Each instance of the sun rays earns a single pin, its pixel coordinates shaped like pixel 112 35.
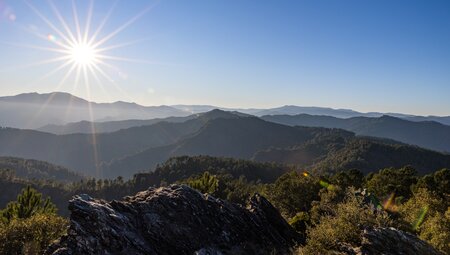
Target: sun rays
pixel 82 52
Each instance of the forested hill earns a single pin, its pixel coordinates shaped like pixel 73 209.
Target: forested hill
pixel 174 170
pixel 215 133
pixel 89 127
pixel 237 138
pixel 306 148
pixel 366 154
pixel 428 134
pixel 36 169
pixel 85 152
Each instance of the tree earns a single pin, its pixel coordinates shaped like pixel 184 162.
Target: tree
pixel 343 225
pixel 437 182
pixel 29 224
pixel 428 215
pixel 31 235
pixel 28 203
pixel 207 183
pixel 392 181
pixel 293 193
pixel 350 178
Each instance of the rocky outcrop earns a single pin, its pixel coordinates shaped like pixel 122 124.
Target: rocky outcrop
pixel 392 241
pixel 389 241
pixel 174 220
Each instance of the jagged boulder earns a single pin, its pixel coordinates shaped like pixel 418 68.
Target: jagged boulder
pixel 388 241
pixel 174 220
pixel 393 241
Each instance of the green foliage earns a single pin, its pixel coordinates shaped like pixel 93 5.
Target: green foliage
pixel 436 231
pixel 31 235
pixel 351 178
pixel 428 215
pixel 326 204
pixel 437 182
pixel 29 224
pixel 28 203
pixel 344 225
pixel 371 154
pixel 183 167
pixel 300 222
pixel 322 209
pixel 35 169
pixel 207 183
pixel 392 181
pixel 293 193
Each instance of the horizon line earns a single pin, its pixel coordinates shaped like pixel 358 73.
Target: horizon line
pixel 232 108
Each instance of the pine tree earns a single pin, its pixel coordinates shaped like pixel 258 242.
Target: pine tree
pixel 207 183
pixel 28 203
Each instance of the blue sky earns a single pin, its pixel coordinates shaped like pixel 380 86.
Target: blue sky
pixel 388 56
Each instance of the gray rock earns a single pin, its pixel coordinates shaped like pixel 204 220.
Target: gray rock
pixel 174 220
pixel 390 241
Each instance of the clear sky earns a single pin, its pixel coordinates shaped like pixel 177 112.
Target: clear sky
pixel 384 55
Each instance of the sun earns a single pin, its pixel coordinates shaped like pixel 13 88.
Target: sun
pixel 81 50
pixel 83 54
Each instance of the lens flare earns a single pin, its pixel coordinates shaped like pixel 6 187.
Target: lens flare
pixel 389 204
pixel 420 217
pixel 51 38
pixel 326 185
pixel 12 17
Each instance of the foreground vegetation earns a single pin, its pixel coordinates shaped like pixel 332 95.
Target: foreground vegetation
pixel 328 209
pixel 30 224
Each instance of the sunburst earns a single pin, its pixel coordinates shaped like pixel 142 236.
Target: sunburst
pixel 82 51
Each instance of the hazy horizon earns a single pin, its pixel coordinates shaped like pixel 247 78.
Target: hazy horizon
pixel 226 107
pixel 381 56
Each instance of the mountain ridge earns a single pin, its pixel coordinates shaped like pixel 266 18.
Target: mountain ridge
pixel 428 134
pixel 34 111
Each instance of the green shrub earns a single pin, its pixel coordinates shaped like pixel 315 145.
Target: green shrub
pixel 343 225
pixel 428 215
pixel 28 203
pixel 207 183
pixel 293 193
pixel 300 222
pixel 392 181
pixel 31 235
pixel 29 224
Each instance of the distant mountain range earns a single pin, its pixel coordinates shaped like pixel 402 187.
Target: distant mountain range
pixel 85 153
pixel 50 112
pixel 35 110
pixel 216 133
pixel 125 147
pixel 427 134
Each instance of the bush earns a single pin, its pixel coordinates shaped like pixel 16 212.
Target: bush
pixel 293 193
pixel 29 225
pixel 437 183
pixel 31 235
pixel 207 183
pixel 28 203
pixel 344 225
pixel 300 222
pixel 427 215
pixel 392 181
